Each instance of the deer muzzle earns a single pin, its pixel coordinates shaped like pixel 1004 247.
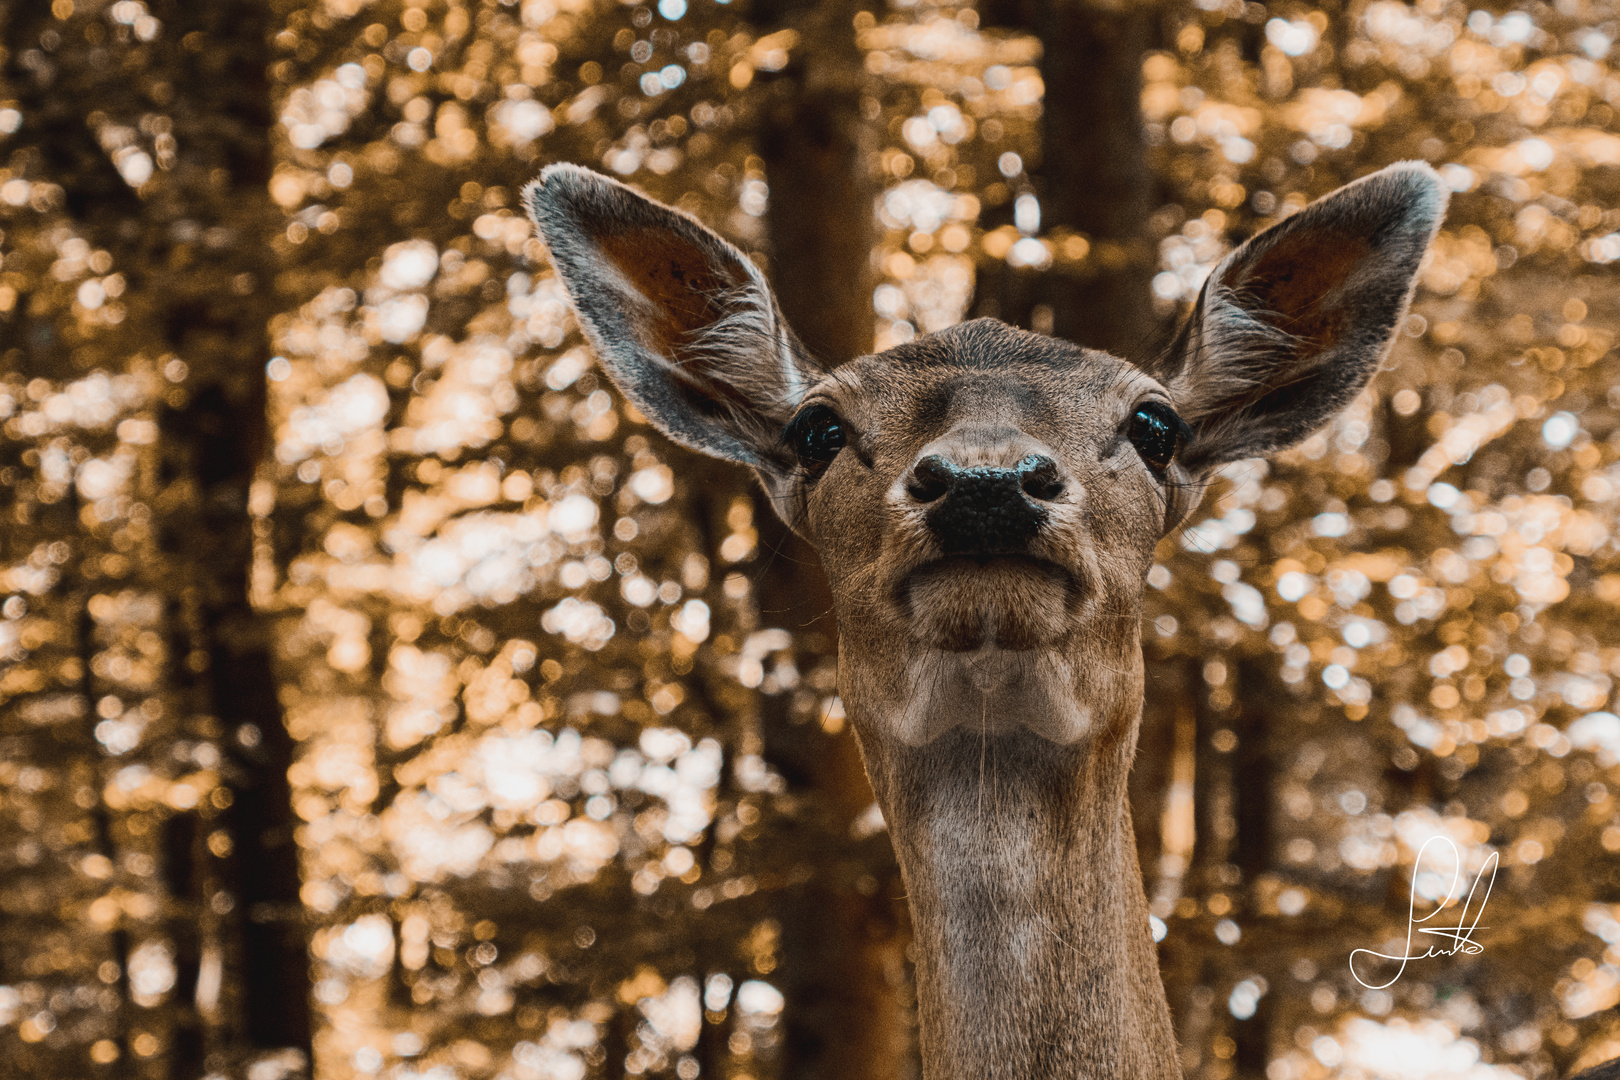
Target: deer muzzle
pixel 984 511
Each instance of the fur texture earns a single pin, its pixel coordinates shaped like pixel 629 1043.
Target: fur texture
pixel 701 348
pixel 997 693
pixel 1033 951
pixel 1291 325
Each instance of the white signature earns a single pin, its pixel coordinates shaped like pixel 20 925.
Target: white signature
pixel 1460 936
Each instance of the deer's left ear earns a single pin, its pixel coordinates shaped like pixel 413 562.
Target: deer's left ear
pixel 1290 326
pixel 682 321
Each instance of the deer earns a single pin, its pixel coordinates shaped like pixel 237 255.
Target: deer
pixel 986 503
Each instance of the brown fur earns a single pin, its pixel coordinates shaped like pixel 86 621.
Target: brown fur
pixel 997 699
pixel 684 290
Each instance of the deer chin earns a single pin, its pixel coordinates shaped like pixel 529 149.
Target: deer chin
pixel 990 650
pixel 991 691
pixel 1014 603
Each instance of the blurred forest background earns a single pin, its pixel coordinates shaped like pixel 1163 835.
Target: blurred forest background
pixel 381 696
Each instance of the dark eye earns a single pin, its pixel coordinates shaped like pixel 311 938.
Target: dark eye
pixel 1156 432
pixel 816 435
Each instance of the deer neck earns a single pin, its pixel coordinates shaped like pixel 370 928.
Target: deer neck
pixel 1034 955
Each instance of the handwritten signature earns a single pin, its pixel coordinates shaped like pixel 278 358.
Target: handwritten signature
pixel 1460 937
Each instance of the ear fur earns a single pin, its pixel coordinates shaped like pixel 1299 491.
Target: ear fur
pixel 682 321
pixel 1291 325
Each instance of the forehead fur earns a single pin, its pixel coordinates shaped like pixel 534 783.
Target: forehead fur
pixel 940 379
pixel 987 344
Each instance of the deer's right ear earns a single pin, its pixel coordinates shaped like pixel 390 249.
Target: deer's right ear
pixel 1292 324
pixel 682 321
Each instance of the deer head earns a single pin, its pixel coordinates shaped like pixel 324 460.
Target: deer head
pixel 986 503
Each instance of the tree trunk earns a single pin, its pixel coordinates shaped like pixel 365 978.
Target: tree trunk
pixel 841 939
pixel 158 135
pixel 818 163
pixel 1092 177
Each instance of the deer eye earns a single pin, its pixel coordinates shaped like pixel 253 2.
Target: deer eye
pixel 1156 432
pixel 816 435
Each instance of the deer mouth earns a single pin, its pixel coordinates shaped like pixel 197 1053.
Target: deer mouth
pixel 961 603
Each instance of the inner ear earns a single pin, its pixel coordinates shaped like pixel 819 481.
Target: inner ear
pixel 693 301
pixel 1299 286
pixel 684 287
pixel 1293 323
pixel 683 322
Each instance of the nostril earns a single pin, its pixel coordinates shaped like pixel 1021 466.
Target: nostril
pixel 931 478
pixel 1039 478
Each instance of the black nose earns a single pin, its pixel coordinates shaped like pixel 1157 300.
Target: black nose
pixel 985 511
